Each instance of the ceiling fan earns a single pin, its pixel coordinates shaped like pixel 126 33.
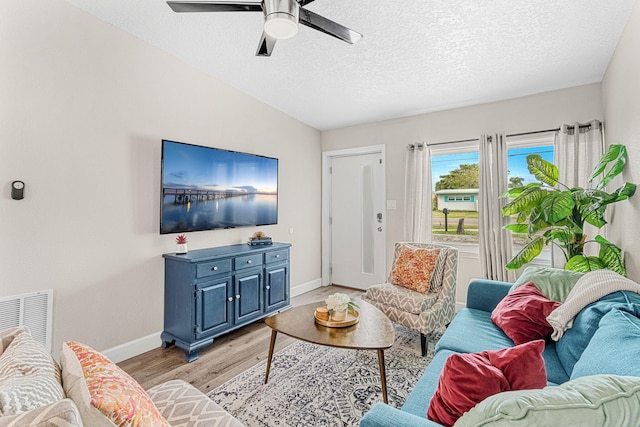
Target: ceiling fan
pixel 281 19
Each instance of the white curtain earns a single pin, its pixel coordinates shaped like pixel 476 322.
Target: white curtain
pixel 417 194
pixel 495 242
pixel 578 148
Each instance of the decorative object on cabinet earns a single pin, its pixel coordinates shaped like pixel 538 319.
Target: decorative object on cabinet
pixel 259 238
pixel 209 292
pixel 181 241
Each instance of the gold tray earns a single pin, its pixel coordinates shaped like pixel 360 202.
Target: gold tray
pixel 352 318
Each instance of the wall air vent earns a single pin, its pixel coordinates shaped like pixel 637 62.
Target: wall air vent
pixel 32 310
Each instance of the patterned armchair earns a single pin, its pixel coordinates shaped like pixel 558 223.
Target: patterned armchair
pixel 423 312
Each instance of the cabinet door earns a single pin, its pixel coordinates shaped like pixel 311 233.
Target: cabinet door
pixel 276 287
pixel 214 305
pixel 248 297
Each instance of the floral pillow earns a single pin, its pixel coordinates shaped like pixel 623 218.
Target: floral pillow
pixel 104 393
pixel 414 267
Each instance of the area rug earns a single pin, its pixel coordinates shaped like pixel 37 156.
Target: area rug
pixel 313 385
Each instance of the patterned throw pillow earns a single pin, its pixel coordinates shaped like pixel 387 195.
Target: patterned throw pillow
pixel 101 389
pixel 29 377
pixel 413 268
pixel 7 335
pixel 438 273
pixel 63 413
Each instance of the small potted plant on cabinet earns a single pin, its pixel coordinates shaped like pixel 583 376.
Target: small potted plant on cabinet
pixel 181 247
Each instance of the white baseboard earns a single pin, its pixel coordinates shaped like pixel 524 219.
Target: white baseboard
pixel 141 345
pixel 305 287
pixel 133 348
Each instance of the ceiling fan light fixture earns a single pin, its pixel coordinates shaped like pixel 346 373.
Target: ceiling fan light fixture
pixel 281 18
pixel 281 25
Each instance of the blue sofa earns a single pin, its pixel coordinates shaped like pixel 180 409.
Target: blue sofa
pixel 472 331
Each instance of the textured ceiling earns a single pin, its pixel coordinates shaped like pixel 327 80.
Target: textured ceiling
pixel 416 56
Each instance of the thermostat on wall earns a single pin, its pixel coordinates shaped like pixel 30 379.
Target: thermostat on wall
pixel 17 190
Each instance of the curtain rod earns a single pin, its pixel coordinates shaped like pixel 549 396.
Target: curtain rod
pixel 581 126
pixel 452 142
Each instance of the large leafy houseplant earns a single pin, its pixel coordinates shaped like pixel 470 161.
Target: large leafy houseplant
pixel 549 212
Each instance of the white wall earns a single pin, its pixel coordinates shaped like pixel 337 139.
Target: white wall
pixel 537 112
pixel 84 108
pixel 621 100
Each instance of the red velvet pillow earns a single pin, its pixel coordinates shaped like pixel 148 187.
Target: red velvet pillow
pixel 522 314
pixel 469 378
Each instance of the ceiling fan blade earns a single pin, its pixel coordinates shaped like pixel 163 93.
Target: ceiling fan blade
pixel 215 6
pixel 328 26
pixel 267 43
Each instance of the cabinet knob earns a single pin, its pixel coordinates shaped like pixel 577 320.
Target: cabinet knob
pixel 268 287
pixel 215 267
pixel 237 296
pixel 277 256
pixel 230 299
pixel 249 261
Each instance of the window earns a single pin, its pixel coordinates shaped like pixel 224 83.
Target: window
pixel 519 149
pixel 455 178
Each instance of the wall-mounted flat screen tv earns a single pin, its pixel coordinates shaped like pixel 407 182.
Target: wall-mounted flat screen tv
pixel 206 188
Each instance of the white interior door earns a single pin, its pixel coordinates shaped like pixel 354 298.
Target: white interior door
pixel 357 220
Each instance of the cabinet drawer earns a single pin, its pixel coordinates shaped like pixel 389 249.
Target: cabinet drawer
pixel 214 267
pixel 248 261
pixel 276 256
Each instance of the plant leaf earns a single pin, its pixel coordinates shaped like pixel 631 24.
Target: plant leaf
pixel 622 193
pixel 564 235
pixel 514 192
pixel 517 228
pixel 594 215
pixel 542 169
pixel 611 255
pixel 529 198
pixel 591 205
pixel 538 225
pixel 557 206
pixel 613 152
pixel 527 254
pixel 584 264
pixel 522 217
pixel 616 154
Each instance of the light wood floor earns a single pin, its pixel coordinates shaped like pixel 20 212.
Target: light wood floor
pixel 228 356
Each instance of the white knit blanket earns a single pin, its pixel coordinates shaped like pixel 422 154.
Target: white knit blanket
pixel 589 288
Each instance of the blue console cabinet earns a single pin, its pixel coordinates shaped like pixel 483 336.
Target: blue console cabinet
pixel 208 292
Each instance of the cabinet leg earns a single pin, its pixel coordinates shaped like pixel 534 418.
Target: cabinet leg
pixel 190 357
pixel 272 344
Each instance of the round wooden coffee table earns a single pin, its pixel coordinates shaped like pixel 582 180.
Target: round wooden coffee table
pixel 374 331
